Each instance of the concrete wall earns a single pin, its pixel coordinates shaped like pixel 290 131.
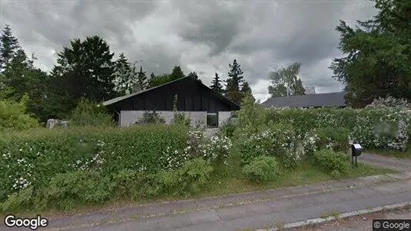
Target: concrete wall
pixel 128 118
pixel 223 116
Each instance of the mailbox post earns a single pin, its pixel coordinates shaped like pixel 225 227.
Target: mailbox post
pixel 356 150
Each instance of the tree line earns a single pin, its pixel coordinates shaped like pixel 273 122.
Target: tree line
pixel 375 60
pixel 86 69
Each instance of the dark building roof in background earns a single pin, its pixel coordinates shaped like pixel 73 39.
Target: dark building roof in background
pixel 335 99
pixel 218 95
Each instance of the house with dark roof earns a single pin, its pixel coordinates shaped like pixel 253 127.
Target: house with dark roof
pixel 335 99
pixel 203 105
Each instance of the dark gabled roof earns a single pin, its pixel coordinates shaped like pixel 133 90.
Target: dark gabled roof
pixel 335 99
pixel 218 95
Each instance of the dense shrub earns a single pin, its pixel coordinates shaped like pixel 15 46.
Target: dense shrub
pixel 228 128
pixel 278 140
pixel 262 168
pixel 274 140
pixel 390 103
pixel 13 116
pixel 336 139
pixel 364 124
pixel 66 190
pixel 336 163
pixel 89 113
pixel 217 149
pixel 182 181
pixel 214 149
pixel 32 158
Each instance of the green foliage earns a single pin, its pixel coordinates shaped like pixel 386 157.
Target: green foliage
pixel 228 128
pixel 234 83
pixel 84 69
pixel 262 168
pixel 333 138
pixel 188 179
pixel 195 174
pixel 176 73
pixel 252 116
pixel 142 78
pixel 390 103
pixel 19 200
pixel 273 141
pixel 216 84
pixel 247 92
pixel 32 158
pixel 151 118
pixel 8 48
pixel 336 163
pixel 13 116
pixel 67 190
pixel 285 81
pixel 160 80
pixel 193 75
pixel 376 54
pixel 88 113
pixel 125 75
pixel 366 126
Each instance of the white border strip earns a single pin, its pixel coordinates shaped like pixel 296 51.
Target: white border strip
pixel 318 221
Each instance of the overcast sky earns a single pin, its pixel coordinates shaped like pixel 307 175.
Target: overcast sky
pixel 199 35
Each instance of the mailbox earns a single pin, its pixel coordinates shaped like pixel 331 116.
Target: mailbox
pixel 356 149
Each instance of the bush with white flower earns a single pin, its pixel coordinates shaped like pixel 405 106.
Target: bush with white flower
pixel 217 149
pixel 372 127
pixel 173 158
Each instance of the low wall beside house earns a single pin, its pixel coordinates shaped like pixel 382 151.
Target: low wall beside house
pixel 223 116
pixel 128 118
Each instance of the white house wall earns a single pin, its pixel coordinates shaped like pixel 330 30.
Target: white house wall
pixel 223 117
pixel 128 118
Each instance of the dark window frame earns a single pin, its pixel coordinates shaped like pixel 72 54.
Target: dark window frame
pixel 210 123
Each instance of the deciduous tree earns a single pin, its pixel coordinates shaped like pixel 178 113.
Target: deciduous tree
pixel 285 81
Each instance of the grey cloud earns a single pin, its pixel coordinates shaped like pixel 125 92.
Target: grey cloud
pixel 57 22
pixel 163 34
pixel 214 23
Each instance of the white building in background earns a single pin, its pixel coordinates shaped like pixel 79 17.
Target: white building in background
pixel 310 90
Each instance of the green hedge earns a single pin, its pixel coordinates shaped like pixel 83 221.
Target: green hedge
pixel 373 128
pixel 34 157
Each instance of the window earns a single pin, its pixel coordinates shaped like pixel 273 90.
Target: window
pixel 212 120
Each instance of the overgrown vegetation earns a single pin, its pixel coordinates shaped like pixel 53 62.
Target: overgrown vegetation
pixel 89 113
pixel 13 116
pixel 86 165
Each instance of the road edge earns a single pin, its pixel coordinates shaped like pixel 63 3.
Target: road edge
pixel 320 221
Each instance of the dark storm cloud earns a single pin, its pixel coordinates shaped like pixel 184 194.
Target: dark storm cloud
pixel 203 36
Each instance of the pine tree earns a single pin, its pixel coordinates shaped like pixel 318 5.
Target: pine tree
pixel 142 78
pixel 177 73
pixel 246 89
pixel 234 82
pixel 216 84
pixel 125 76
pixel 193 74
pixel 8 49
pixel 85 69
